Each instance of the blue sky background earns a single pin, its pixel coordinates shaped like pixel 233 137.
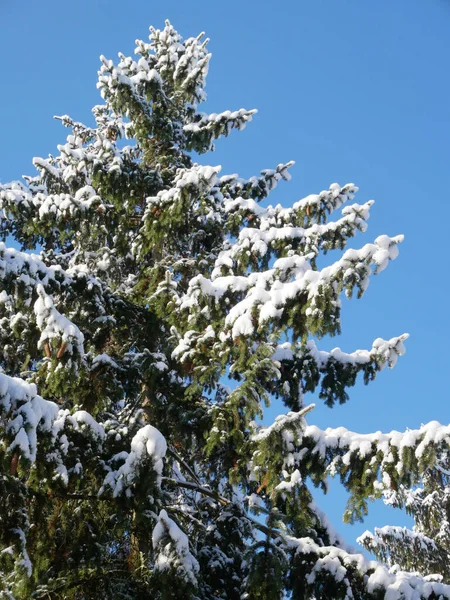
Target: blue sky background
pixel 352 91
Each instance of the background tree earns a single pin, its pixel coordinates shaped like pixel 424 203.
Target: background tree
pixel 425 547
pixel 166 307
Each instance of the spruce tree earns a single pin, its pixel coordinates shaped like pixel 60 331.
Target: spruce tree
pixel 425 547
pixel 156 306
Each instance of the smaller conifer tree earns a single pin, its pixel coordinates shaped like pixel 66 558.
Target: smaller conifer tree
pixel 426 547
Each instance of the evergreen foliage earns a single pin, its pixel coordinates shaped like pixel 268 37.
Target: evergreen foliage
pixel 425 547
pixel 164 307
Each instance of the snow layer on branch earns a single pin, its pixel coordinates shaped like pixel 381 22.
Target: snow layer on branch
pixel 28 274
pixel 128 72
pixel 55 325
pixel 269 291
pixel 228 119
pixel 44 164
pixel 383 351
pixel 22 413
pixel 313 208
pixel 330 199
pixel 29 268
pixel 82 420
pixel 31 271
pixel 344 446
pixel 196 181
pixel 288 484
pixel 281 423
pixel 392 533
pixel 279 216
pixel 147 443
pixel 52 206
pixel 172 548
pixel 258 240
pixel 243 191
pixel 394 585
pixel 186 63
pixel 61 205
pixel 360 444
pixel 166 58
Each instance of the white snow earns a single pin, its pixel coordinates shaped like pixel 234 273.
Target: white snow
pixel 23 412
pixel 148 442
pixel 55 325
pixel 171 545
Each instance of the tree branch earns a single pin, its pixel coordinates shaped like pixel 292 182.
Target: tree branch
pixel 197 488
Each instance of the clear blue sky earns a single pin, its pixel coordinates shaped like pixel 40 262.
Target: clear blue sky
pixel 351 90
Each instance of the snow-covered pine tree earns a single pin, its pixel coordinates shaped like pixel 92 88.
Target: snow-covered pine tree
pixel 159 281
pixel 425 547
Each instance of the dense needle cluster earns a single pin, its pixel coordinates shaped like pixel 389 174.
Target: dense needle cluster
pixel 165 306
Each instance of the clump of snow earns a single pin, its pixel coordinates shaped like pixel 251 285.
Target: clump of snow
pixel 288 485
pixel 22 413
pixel 55 325
pixel 148 442
pixel 171 545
